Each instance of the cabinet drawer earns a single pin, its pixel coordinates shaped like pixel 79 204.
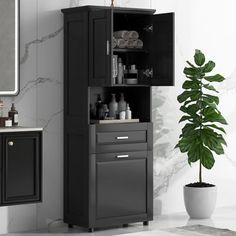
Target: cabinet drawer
pixel 121 137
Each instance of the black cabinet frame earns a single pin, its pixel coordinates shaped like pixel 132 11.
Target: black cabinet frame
pixel 88 153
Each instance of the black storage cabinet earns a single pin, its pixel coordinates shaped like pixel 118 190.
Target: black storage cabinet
pixel 21 168
pixel 108 168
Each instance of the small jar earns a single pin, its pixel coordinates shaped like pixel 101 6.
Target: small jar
pixel 122 115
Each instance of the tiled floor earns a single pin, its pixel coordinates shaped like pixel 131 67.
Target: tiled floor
pixel 222 218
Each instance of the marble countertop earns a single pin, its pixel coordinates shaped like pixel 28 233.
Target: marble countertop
pixel 19 129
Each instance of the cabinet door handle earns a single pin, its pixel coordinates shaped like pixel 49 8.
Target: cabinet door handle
pixel 122 137
pixel 108 48
pixel 11 143
pixel 122 156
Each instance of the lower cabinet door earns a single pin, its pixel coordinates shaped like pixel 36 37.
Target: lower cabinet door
pixel 121 184
pixel 21 168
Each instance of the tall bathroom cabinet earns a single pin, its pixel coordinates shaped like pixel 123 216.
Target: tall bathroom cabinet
pixel 108 168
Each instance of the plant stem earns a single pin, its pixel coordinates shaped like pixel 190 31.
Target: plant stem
pixel 200 172
pixel 200 164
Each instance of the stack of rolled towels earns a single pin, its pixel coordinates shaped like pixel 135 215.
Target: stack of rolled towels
pixel 127 39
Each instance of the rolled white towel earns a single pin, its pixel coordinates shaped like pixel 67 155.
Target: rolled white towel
pixel 121 43
pixel 130 43
pixel 138 43
pixel 121 34
pixel 133 34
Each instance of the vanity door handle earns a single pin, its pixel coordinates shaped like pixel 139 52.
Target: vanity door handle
pixel 108 47
pixel 10 143
pixel 122 156
pixel 122 137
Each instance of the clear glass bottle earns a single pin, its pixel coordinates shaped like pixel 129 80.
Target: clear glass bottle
pixel 122 103
pixel 113 106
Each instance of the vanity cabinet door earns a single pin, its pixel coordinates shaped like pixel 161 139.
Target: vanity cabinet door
pixel 100 48
pixel 162 50
pixel 21 168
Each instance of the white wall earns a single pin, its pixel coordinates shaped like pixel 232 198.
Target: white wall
pixel 207 25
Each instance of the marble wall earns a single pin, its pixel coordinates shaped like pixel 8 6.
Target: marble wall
pixel 207 25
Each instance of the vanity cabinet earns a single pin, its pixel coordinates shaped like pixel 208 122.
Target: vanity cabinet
pixel 21 166
pixel 108 168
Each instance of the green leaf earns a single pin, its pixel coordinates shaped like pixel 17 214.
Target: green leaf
pixel 216 117
pixel 191 109
pixel 210 99
pixel 189 129
pixel 217 127
pixel 214 78
pixel 183 118
pixel 190 71
pixel 199 57
pixel 194 153
pixel 185 95
pixel 212 140
pixel 209 87
pixel 207 158
pixel 193 84
pixel 209 66
pixel 184 145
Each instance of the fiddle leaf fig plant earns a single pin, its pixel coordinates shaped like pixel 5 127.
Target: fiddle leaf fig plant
pixel 202 134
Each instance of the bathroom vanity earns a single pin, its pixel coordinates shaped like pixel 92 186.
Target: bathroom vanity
pixel 21 165
pixel 108 168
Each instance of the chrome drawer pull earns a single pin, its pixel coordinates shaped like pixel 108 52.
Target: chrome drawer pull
pixel 122 137
pixel 122 156
pixel 10 143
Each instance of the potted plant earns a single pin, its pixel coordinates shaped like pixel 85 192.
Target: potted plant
pixel 202 134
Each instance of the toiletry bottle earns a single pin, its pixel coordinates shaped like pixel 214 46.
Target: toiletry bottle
pixel 105 111
pixel 122 103
pixel 120 72
pixel 98 105
pixel 113 107
pixel 13 114
pixel 1 108
pixel 128 114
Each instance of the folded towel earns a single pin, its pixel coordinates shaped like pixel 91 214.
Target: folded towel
pixel 121 34
pixel 121 43
pixel 133 34
pixel 114 42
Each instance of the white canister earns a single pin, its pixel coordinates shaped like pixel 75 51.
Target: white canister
pixel 8 123
pixel 122 115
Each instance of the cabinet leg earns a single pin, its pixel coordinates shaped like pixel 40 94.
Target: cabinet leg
pixel 145 222
pixel 70 226
pixel 90 230
pixel 125 225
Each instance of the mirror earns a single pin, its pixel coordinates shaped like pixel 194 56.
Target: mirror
pixel 9 47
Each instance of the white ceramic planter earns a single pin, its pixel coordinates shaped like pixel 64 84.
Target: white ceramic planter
pixel 200 202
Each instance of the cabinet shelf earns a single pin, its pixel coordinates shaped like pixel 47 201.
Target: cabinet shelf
pixel 126 50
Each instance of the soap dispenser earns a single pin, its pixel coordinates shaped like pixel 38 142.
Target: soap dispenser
pixel 13 114
pixel 128 113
